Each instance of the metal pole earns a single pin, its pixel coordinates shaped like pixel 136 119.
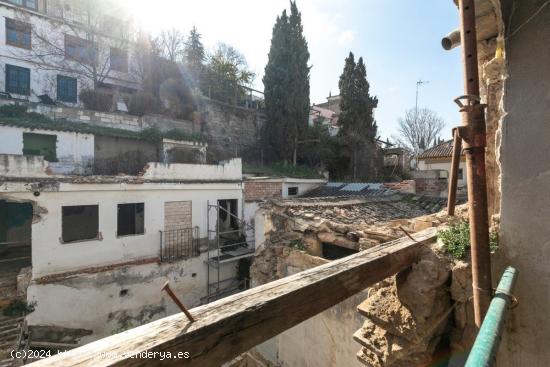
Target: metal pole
pixel 472 133
pixel 485 347
pixel 453 180
pixel 207 251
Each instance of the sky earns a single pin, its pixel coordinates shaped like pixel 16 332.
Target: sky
pixel 399 40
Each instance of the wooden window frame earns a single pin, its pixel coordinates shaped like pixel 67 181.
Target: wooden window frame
pixel 122 55
pixel 20 28
pixel 82 45
pixel 24 4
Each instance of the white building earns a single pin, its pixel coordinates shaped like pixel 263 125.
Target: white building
pixel 439 159
pixel 57 48
pixel 100 248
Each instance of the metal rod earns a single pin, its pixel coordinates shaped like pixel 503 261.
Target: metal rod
pixel 166 288
pixel 208 250
pixel 486 345
pixel 473 136
pixel 453 180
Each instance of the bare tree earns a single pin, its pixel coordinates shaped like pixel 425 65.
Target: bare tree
pixel 172 44
pixel 80 37
pixel 419 129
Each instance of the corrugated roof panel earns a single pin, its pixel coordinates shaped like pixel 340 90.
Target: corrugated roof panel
pixel 354 187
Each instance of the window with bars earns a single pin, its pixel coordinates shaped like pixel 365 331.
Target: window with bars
pixel 18 80
pixel 66 89
pixel 119 60
pixel 18 33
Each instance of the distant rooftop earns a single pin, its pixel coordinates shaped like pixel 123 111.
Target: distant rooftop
pixel 443 150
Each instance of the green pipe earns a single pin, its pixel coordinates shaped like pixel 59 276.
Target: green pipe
pixel 485 347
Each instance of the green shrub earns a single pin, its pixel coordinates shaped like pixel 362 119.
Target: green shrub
pixel 18 307
pixel 97 100
pixel 13 110
pixel 456 240
pixel 142 103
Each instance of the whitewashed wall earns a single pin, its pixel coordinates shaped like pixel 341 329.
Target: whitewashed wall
pixel 50 255
pixel 304 185
pixel 111 301
pixel 424 165
pixel 74 151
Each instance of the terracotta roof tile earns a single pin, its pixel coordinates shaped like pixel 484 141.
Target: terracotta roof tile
pixel 442 150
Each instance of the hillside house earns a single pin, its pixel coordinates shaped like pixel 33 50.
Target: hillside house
pixel 54 49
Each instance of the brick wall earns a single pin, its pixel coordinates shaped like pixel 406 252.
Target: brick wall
pixel 254 190
pixel 177 215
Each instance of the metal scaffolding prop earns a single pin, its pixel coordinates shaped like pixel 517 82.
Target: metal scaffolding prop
pixel 225 247
pixel 473 135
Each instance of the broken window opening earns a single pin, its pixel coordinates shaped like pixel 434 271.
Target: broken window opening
pixel 15 241
pixel 228 222
pixel 40 144
pixel 334 252
pixel 130 219
pixel 80 223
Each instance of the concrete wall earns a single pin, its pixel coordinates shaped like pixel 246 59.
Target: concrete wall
pixel 230 170
pixel 22 165
pixel 50 255
pixel 303 185
pixel 325 340
pixel 445 165
pixel 525 203
pixel 74 151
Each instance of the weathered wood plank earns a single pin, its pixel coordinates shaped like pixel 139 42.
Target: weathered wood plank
pixel 233 325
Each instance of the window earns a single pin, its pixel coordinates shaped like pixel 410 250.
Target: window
pixel 292 191
pixel 40 144
pixel 18 80
pixel 460 173
pixel 119 60
pixel 79 49
pixel 31 4
pixel 66 89
pixel 18 33
pixel 130 219
pixel 79 222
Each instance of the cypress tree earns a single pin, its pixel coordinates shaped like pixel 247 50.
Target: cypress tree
pixel 286 86
pixel 194 55
pixel 356 120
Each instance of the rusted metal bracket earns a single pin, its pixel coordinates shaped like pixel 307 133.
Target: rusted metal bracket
pixel 167 289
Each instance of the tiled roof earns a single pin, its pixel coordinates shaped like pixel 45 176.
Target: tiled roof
pixel 442 150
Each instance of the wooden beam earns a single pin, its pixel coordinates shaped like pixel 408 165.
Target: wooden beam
pixel 230 326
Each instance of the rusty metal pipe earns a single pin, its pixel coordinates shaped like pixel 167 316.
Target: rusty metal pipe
pixel 473 136
pixel 453 180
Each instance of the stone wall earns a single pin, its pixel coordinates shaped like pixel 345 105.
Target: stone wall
pixel 231 131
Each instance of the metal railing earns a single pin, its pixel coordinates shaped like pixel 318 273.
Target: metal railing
pixel 178 244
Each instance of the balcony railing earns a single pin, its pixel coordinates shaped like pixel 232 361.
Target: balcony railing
pixel 178 244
